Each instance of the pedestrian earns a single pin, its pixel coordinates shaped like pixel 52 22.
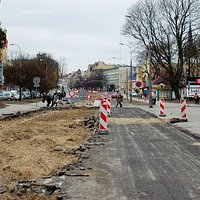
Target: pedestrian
pixel 145 96
pixel 154 98
pixel 44 97
pixel 196 98
pixel 54 100
pixel 119 99
pixel 49 98
pixel 59 94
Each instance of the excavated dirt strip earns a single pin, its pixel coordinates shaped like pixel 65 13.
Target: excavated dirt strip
pixel 35 145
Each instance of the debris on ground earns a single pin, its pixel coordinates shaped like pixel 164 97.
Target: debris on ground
pixel 46 143
pixel 175 120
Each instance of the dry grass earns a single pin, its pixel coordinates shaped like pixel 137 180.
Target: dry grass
pixel 29 145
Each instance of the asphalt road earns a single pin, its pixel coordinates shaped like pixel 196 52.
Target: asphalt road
pixel 142 158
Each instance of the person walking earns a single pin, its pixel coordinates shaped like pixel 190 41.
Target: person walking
pixel 196 98
pixel 54 100
pixel 44 97
pixel 48 99
pixel 119 99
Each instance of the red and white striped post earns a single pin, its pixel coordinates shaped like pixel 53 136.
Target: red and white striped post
pixel 89 98
pixel 103 128
pixel 183 110
pixel 162 108
pixel 108 106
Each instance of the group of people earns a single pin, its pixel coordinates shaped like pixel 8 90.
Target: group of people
pixel 51 98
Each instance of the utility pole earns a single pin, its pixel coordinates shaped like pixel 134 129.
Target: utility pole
pixel 131 77
pixel 149 77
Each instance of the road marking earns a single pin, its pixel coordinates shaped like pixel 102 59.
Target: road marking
pixel 125 121
pixel 152 145
pixel 151 174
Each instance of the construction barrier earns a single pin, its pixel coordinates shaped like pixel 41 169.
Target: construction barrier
pixel 108 106
pixel 103 128
pixel 71 93
pixel 183 110
pixel 74 93
pixel 89 98
pixel 162 108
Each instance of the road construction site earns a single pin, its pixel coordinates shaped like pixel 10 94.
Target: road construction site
pixel 56 153
pixel 40 143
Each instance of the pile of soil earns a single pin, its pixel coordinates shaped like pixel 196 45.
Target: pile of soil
pixel 33 146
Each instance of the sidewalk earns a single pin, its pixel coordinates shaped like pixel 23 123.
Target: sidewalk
pixel 172 110
pixel 15 108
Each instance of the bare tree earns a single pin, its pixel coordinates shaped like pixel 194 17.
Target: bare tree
pixel 164 24
pixel 62 67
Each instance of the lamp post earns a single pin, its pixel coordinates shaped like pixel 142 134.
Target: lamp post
pixel 131 70
pixel 20 67
pixel 42 60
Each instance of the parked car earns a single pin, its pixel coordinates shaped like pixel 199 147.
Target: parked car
pixel 26 95
pixel 16 94
pixel 134 94
pixel 68 101
pixel 7 95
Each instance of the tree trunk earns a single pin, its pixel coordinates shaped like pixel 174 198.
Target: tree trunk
pixel 175 88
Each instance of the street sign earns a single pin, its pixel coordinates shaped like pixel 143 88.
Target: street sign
pixel 197 81
pixel 193 86
pixel 71 93
pixel 138 84
pixel 36 80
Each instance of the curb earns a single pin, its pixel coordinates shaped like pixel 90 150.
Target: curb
pixel 167 121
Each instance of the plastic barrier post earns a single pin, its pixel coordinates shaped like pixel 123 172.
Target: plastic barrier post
pixel 162 108
pixel 89 98
pixel 108 106
pixel 103 128
pixel 183 110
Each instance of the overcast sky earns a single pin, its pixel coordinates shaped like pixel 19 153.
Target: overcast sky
pixel 81 31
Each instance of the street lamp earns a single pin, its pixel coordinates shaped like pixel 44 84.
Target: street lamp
pixel 42 60
pixel 131 69
pixel 20 67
